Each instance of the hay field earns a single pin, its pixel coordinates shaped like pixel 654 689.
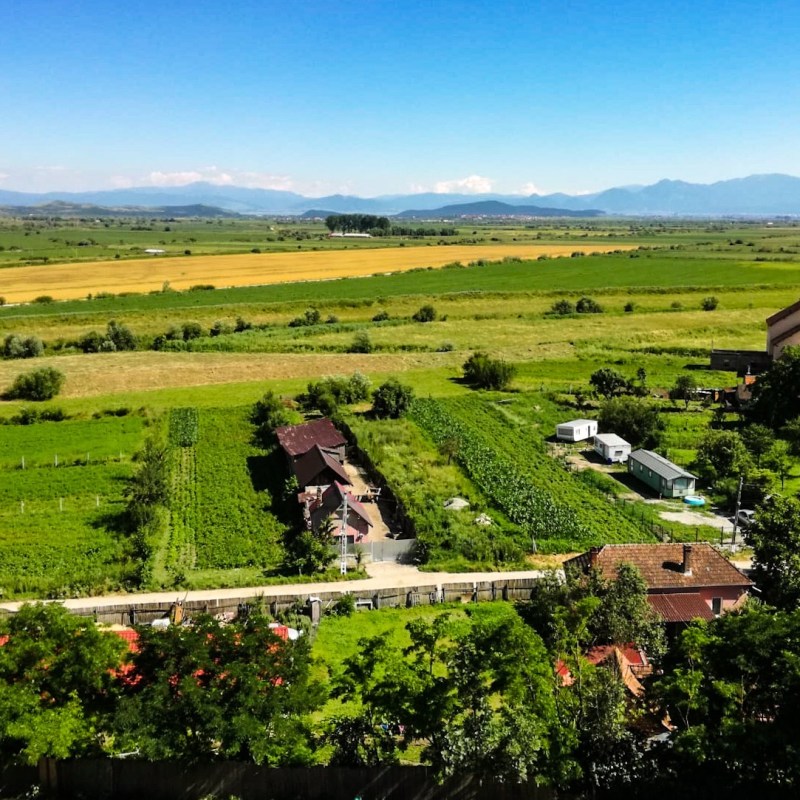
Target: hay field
pixel 74 281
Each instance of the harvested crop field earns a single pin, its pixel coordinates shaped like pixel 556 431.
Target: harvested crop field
pixel 123 373
pixel 73 281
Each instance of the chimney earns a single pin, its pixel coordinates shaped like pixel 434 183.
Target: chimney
pixel 594 552
pixel 688 559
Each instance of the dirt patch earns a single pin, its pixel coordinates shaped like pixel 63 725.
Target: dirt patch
pixel 694 518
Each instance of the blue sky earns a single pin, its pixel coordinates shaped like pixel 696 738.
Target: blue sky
pixel 376 97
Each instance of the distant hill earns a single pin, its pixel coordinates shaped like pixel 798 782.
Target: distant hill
pixel 315 213
pixel 755 195
pixel 493 208
pixel 63 209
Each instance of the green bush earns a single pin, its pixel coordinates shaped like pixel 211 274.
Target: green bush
pixel 487 373
pixel 41 384
pixel 562 308
pixel 18 347
pixel 586 305
pixel 391 399
pixel 425 314
pixel 709 303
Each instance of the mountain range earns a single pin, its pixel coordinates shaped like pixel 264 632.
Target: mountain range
pixel 756 195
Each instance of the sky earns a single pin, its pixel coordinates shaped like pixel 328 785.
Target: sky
pixel 374 97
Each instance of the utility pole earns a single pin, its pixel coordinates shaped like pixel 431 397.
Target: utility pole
pixel 736 513
pixel 343 537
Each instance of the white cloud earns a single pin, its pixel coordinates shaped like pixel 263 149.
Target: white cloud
pixel 529 189
pixel 218 177
pixel 473 184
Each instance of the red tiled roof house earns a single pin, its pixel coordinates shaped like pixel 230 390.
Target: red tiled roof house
pixel 297 440
pixel 684 581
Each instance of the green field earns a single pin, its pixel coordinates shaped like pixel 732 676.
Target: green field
pixel 227 519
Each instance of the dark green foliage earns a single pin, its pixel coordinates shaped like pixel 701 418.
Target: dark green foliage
pixel 722 454
pixel 345 606
pixel 41 384
pixel 587 305
pixel 774 536
pixel 758 439
pixel 311 316
pixel 16 346
pixel 121 335
pixel 391 399
pixel 361 343
pixel 562 307
pixel 308 552
pixel 56 684
pixel 487 373
pixel 634 419
pixel 381 316
pixel 608 382
pixel 183 427
pixel 329 393
pixel 214 691
pixel 732 689
pixel 477 695
pixel 92 342
pixel 709 303
pixel 684 389
pixel 357 223
pixel 426 313
pixel 269 413
pixel 776 392
pixel 220 328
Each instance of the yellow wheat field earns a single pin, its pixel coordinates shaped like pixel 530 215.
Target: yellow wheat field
pixel 74 281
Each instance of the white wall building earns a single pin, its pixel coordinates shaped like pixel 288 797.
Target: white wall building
pixel 577 430
pixel 611 448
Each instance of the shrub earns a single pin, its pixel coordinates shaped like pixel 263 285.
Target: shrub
pixel 345 606
pixel 632 418
pixel 43 298
pixel 381 316
pixel 676 305
pixel 242 325
pixel 18 347
pixel 329 393
pixel 200 287
pixel 562 308
pixel 220 328
pixel 487 373
pixel 41 384
pixel 586 305
pixel 311 316
pixel 425 314
pixel 709 303
pixel 391 399
pixel 629 306
pixel 191 330
pixel 361 343
pixel 2 301
pixel 91 342
pixel 445 347
pixel 121 335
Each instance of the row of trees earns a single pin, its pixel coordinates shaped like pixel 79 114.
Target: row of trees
pixel 357 223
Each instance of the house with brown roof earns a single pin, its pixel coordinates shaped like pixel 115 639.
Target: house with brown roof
pixel 330 503
pixel 318 468
pixel 297 440
pixel 684 581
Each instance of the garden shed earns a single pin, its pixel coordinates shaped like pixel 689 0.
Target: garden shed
pixel 611 448
pixel 577 430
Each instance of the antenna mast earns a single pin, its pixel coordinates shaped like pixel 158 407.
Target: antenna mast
pixel 343 537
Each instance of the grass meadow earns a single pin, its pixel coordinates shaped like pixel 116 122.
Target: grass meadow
pixel 226 528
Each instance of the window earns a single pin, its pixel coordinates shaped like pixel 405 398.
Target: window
pixel 716 605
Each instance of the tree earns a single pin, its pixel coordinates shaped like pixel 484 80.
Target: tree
pixel 391 399
pixel 779 460
pixel 16 346
pixel 488 373
pixel 758 439
pixel 426 313
pixel 587 305
pixel 776 394
pixel 212 690
pixel 40 384
pixel 310 551
pixel 562 307
pixel 633 418
pixel 57 683
pixel 774 536
pixel 722 454
pixel 709 303
pixel 791 432
pixel 361 343
pixel 731 689
pixel 268 413
pixel 684 389
pixel 121 335
pixel 608 382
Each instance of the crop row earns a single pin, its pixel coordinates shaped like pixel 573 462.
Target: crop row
pixel 515 472
pixel 183 427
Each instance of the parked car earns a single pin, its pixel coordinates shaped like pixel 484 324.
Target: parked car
pixel 745 517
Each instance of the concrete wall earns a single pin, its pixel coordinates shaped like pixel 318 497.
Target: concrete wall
pixel 110 779
pixel 132 612
pixel 740 361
